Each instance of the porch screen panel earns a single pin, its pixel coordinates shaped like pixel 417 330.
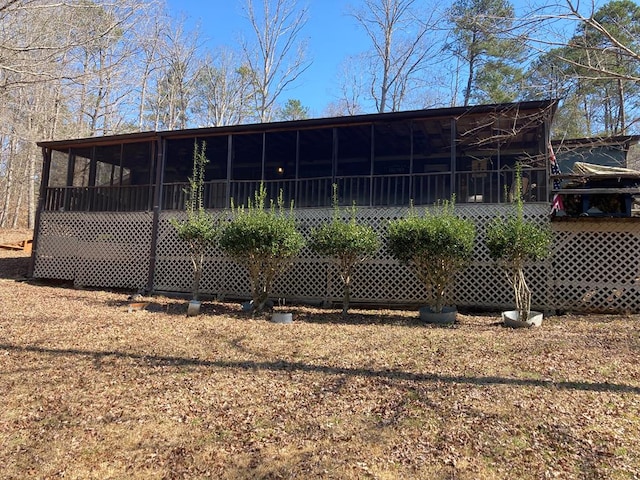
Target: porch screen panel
pixel 177 170
pixel 106 191
pixel 137 177
pixel 78 198
pixel 392 163
pixel 81 166
pixel 59 169
pixel 179 167
pixel 246 166
pixel 478 177
pixel 353 171
pixel 280 164
pixel 315 168
pixel 215 175
pixel 431 161
pixel 57 187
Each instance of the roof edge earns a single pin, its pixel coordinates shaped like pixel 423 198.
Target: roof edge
pixel 453 112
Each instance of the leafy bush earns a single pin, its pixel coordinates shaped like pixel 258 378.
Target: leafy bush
pixel 348 243
pixel 199 229
pixel 263 240
pixel 435 246
pixel 513 242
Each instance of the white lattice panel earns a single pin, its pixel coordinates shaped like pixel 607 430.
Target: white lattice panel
pixel 381 280
pixel 594 264
pixel 57 245
pixel 95 249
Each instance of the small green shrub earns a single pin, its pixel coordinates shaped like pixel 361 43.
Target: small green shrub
pixel 513 242
pixel 347 242
pixel 435 246
pixel 262 239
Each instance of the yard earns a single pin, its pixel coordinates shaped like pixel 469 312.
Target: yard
pixel 91 390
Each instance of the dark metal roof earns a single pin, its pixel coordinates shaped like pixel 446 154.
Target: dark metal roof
pixel 453 112
pixel 104 140
pixel 626 140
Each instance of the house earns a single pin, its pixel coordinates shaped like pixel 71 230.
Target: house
pixel 106 202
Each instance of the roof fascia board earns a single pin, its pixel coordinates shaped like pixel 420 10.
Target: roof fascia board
pixel 452 112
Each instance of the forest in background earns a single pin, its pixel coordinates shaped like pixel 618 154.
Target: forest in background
pixel 84 68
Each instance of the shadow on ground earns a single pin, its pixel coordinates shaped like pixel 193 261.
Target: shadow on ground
pixel 14 267
pixel 154 361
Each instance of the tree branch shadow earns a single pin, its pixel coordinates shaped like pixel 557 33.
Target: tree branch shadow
pixel 155 361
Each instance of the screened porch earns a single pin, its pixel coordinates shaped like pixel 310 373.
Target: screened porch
pixel 376 160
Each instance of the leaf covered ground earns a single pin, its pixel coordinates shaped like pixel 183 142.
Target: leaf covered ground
pixel 91 390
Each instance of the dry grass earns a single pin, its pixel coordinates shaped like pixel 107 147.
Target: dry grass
pixel 90 390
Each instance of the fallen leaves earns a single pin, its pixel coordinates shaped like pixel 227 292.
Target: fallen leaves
pixel 93 391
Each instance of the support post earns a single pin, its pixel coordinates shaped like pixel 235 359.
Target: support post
pixel 159 148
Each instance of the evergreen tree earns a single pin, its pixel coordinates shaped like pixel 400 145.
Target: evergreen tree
pixel 483 37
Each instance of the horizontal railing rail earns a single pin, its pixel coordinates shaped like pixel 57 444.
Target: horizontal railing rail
pixel 486 186
pixel 120 198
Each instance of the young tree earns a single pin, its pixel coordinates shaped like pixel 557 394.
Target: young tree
pixel 436 247
pixel 515 241
pixel 347 243
pixel 198 230
pixel 277 58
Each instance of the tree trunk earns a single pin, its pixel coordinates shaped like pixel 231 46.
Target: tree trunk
pixel 8 186
pixel 31 189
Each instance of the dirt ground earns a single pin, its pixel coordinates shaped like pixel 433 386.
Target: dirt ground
pixel 91 389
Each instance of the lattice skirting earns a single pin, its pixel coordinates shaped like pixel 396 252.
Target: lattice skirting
pixel 596 266
pixel 95 249
pixel 593 266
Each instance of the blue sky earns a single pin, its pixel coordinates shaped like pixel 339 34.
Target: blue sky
pixel 331 34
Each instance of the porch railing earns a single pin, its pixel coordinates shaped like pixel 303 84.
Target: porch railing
pixel 122 198
pixel 423 189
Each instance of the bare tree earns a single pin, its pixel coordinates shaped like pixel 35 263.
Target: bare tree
pixel 64 69
pixel 351 88
pixel 277 57
pixel 174 81
pixel 597 62
pixel 399 34
pixel 223 90
pixel 149 56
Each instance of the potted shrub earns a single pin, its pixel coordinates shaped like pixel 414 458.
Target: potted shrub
pixel 262 239
pixel 198 230
pixel 347 243
pixel 435 246
pixel 513 242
